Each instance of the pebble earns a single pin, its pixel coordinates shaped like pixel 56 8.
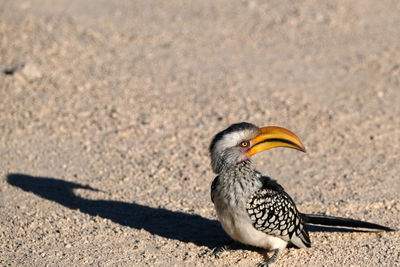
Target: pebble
pixel 31 72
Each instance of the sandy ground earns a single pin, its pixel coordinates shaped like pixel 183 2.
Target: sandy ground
pixel 107 109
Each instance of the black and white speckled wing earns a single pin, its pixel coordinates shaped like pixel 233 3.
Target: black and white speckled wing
pixel 274 212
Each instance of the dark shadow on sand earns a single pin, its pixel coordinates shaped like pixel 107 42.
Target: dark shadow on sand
pixel 162 222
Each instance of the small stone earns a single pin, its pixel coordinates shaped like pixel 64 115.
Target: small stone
pixel 31 72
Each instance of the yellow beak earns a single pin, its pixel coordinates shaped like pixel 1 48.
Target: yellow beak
pixel 271 136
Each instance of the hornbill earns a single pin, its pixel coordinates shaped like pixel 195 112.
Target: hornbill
pixel 253 208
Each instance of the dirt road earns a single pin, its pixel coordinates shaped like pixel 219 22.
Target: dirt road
pixel 107 109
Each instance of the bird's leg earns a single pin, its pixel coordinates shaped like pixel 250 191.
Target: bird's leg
pixel 220 250
pixel 271 260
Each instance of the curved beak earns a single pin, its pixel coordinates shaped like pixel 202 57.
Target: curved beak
pixel 271 136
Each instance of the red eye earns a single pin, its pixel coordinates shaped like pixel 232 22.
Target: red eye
pixel 244 143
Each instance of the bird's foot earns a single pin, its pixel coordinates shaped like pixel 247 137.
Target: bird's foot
pixel 217 252
pixel 271 260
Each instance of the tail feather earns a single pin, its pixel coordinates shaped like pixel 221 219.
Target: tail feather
pixel 343 222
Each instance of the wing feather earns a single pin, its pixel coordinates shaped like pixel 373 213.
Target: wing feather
pixel 273 212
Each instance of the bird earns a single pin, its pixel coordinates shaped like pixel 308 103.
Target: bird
pixel 253 208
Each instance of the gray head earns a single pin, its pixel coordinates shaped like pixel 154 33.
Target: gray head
pixel 242 140
pixel 229 146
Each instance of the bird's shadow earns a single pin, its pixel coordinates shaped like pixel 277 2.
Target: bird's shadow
pixel 189 228
pixel 159 221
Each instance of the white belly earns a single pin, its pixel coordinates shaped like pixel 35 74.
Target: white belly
pixel 237 224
